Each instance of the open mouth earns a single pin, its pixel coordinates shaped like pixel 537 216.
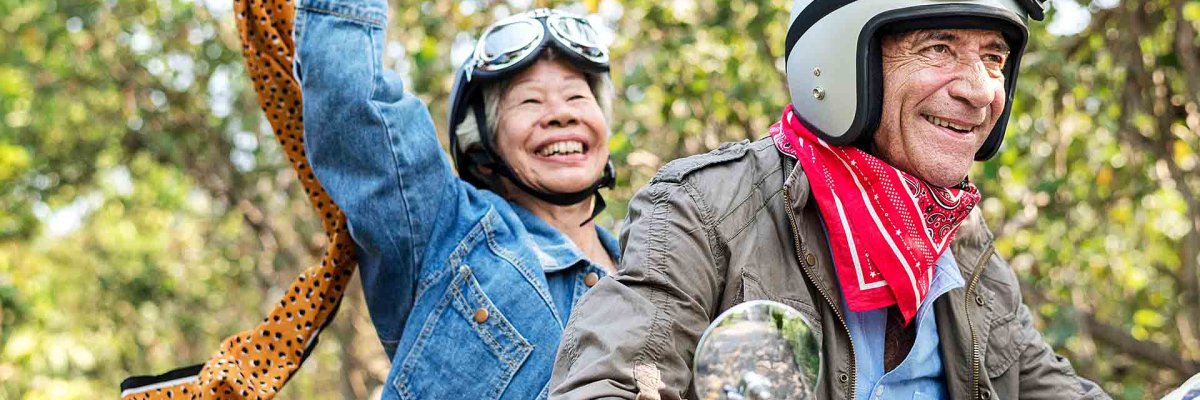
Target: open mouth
pixel 949 125
pixel 563 148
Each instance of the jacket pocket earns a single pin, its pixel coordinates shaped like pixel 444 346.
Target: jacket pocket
pixel 753 289
pixel 1004 345
pixel 467 349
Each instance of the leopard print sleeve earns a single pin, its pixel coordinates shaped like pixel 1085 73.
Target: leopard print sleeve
pixel 255 363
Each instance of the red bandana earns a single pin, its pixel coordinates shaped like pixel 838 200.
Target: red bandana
pixel 886 228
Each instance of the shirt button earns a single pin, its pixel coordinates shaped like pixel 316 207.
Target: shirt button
pixel 879 391
pixel 481 315
pixel 591 278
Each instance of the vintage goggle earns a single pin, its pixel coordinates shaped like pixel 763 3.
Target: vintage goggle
pixel 514 40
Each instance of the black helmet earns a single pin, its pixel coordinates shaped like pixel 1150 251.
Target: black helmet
pixel 837 85
pixel 504 49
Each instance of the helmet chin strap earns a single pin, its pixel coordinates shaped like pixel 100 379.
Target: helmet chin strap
pixel 564 199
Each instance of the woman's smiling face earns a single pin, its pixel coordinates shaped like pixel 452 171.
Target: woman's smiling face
pixel 550 128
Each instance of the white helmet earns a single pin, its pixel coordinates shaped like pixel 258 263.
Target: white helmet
pixel 836 77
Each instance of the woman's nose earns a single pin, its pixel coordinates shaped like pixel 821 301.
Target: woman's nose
pixel 561 114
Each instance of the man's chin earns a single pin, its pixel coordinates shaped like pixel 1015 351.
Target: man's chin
pixel 945 177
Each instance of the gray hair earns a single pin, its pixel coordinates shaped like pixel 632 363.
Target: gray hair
pixel 468 131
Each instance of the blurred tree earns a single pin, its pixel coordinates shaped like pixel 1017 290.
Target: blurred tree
pixel 145 213
pixel 1094 198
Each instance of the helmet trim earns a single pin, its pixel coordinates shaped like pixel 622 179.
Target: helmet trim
pixel 807 18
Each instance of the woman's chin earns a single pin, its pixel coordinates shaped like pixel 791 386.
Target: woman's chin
pixel 567 180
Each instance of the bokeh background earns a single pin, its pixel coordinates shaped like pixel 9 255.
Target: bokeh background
pixel 146 211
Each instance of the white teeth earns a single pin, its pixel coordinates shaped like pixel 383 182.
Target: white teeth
pixel 565 147
pixel 947 124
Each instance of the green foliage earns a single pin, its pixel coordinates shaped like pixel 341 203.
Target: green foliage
pixel 146 213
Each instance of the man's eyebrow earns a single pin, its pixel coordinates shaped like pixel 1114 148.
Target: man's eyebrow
pixel 938 35
pixel 998 45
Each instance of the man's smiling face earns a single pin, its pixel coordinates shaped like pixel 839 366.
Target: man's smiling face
pixel 943 91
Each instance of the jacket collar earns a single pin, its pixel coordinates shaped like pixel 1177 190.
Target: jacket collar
pixel 972 242
pixel 554 249
pixel 796 184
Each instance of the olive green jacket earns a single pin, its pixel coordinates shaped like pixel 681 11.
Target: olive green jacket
pixel 737 224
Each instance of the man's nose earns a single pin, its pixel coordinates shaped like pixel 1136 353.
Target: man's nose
pixel 973 84
pixel 560 114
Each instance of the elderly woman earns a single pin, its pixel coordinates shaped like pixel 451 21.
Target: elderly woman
pixel 469 279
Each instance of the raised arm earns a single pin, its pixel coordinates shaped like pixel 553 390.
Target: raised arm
pixel 373 147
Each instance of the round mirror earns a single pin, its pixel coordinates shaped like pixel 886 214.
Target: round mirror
pixel 1188 391
pixel 757 350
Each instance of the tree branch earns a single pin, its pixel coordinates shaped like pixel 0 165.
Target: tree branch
pixel 1120 340
pixel 1153 353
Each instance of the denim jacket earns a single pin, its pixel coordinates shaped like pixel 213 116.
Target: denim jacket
pixel 469 293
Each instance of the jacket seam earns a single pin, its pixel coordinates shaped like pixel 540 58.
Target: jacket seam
pixel 709 225
pixel 756 187
pixel 411 249
pixel 754 216
pixel 465 244
pixel 657 337
pixel 368 20
pixel 419 345
pixel 524 270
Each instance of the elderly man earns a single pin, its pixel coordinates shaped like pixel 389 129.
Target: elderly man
pixel 850 213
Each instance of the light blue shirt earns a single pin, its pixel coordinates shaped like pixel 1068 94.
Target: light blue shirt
pixel 920 375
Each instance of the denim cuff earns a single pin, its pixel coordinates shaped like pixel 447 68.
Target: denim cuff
pixel 373 12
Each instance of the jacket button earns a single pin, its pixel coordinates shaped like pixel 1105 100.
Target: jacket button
pixel 591 278
pixel 843 378
pixel 464 270
pixel 810 259
pixel 985 395
pixel 481 315
pixel 979 299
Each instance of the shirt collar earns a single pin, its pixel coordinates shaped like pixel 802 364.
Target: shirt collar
pixel 946 276
pixel 554 249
